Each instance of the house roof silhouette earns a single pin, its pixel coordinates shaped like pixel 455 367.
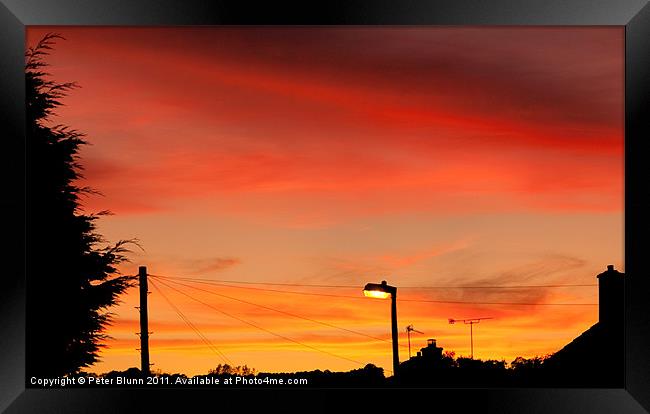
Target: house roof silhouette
pixel 596 355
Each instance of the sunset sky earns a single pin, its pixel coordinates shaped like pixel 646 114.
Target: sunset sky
pixel 453 156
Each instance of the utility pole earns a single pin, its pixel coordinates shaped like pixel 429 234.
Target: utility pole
pixel 144 322
pixel 471 323
pixel 410 329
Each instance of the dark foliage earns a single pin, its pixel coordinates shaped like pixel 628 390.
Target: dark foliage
pixel 593 366
pixel 227 369
pixel 71 275
pixel 368 376
pixel 444 370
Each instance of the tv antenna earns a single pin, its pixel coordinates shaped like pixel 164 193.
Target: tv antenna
pixel 471 323
pixel 410 329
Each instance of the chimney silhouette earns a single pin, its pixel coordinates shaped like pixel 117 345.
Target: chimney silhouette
pixel 611 297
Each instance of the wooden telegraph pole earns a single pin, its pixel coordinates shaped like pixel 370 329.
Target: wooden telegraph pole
pixel 144 322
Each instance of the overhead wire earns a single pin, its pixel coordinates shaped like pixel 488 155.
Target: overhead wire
pixel 401 287
pixel 189 323
pixel 260 327
pixel 225 283
pixel 286 313
pixel 399 299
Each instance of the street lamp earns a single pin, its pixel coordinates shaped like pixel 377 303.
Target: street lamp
pixel 383 291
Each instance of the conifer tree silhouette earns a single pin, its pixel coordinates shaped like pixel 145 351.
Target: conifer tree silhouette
pixel 72 280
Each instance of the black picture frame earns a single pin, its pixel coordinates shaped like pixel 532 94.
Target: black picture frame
pixel 633 14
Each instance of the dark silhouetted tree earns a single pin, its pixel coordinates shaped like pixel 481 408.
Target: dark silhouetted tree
pixel 523 364
pixel 71 275
pixel 368 376
pixel 227 369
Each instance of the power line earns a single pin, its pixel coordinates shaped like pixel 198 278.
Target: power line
pixel 266 290
pixel 399 299
pixel 261 328
pixel 401 287
pixel 285 313
pixel 499 303
pixel 210 345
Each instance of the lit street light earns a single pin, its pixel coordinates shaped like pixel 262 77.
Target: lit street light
pixel 383 291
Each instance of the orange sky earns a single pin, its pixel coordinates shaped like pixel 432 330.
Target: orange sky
pixel 340 156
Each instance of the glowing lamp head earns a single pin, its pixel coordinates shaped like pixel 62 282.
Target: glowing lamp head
pixel 379 290
pixel 452 321
pixel 376 294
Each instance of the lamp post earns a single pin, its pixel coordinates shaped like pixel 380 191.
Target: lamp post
pixel 383 291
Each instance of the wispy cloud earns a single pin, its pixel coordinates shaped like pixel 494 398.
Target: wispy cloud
pixel 212 265
pixel 547 270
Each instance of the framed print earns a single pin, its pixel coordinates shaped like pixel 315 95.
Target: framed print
pixel 282 205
